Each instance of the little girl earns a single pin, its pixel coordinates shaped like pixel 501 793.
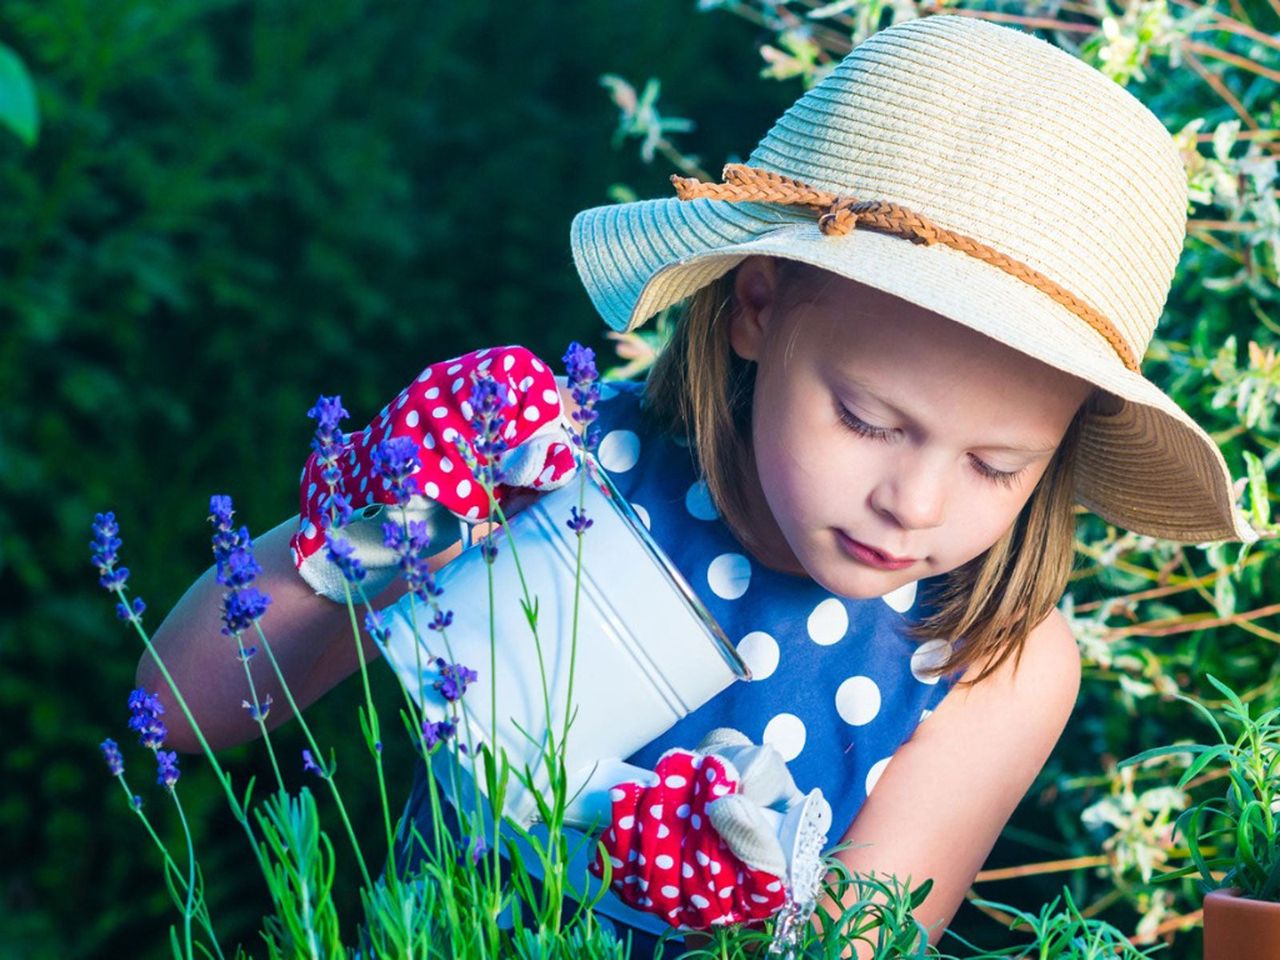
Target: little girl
pixel 911 337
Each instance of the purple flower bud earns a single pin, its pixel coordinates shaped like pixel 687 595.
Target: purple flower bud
pixel 145 709
pixel 441 620
pixel 240 608
pixel 454 678
pixel 167 768
pixel 340 553
pixel 329 438
pixel 257 713
pixel 337 511
pixel 580 362
pixel 379 632
pixel 309 763
pixel 133 614
pixel 245 655
pixel 105 543
pixel 137 802
pixel 477 847
pixel 578 522
pixel 395 460
pixel 488 400
pixel 438 732
pixel 111 751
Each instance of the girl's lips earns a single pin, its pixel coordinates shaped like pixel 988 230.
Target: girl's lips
pixel 871 556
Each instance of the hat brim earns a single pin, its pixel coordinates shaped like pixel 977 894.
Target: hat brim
pixel 1148 468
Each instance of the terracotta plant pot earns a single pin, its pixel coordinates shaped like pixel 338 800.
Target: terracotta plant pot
pixel 1237 928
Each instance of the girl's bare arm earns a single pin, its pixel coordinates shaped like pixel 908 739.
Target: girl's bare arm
pixel 310 635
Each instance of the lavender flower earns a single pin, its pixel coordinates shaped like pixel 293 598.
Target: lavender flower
pixel 489 548
pixel 257 712
pixel 146 709
pixel 133 614
pixel 477 847
pixel 438 732
pixel 488 400
pixel 337 511
pixel 111 751
pixel 454 678
pixel 378 630
pixel 237 568
pixel 167 768
pixel 245 655
pixel 394 461
pixel 441 620
pixel 578 522
pixel 412 551
pixel 309 763
pixel 137 802
pixel 580 362
pixel 105 543
pixel 241 608
pixel 341 554
pixel 329 438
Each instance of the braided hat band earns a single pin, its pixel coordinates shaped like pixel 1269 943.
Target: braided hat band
pixel 1046 208
pixel 838 215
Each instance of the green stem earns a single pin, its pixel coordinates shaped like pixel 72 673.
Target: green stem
pixel 205 920
pixel 257 710
pixel 328 774
pixel 191 874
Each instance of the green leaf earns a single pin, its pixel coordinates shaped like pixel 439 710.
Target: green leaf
pixel 1259 503
pixel 18 110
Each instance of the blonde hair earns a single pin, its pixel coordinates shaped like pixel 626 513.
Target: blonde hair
pixel 701 388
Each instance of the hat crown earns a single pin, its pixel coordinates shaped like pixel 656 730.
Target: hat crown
pixel 996 134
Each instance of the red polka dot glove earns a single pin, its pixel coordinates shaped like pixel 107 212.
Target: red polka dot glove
pixel 433 411
pixel 720 835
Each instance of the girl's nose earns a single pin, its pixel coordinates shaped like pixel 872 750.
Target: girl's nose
pixel 914 496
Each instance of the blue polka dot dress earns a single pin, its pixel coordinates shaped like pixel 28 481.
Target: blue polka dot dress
pixel 837 686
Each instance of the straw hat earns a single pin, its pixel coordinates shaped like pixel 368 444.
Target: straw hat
pixel 984 174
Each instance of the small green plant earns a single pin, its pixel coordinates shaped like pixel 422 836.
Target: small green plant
pixel 1232 836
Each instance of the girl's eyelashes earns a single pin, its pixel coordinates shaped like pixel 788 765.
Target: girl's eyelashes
pixel 1003 477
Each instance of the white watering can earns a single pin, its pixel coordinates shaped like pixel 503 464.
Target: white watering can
pixel 648 653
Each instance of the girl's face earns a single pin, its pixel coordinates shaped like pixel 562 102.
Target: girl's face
pixel 878 421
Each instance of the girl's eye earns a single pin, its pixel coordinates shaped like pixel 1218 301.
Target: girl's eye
pixel 860 427
pixel 1002 477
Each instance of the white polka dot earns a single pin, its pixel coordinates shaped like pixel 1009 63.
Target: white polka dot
pixel 924 715
pixel 510 431
pixel 431 491
pixel 686 870
pixel 309 530
pixel 537 364
pixel 655 811
pixel 670 891
pixel 448 434
pixel 439 412
pixel 858 700
pixel 698 502
pixel 532 413
pixel 446 465
pixel 425 374
pixel 615 794
pixel 643 514
pixel 468 412
pixel 873 775
pixel 429 441
pixel 525 384
pixel 829 621
pixel 464 487
pixel 404 397
pixel 550 396
pixel 663 861
pixel 701 857
pixel 473 512
pixel 699 901
pixel 311 491
pixel 454 369
pixel 663 831
pixel 715 866
pixel 431 393
pixel 411 419
pixel 675 780
pixel 619 451
pixel 627 822
pixel 902 598
pixel 682 811
pixel 761 653
pixel 696 821
pixel 458 384
pixel 775 886
pixel 786 734
pixel 729 575
pixel 508 362
pixel 929 654
pixel 480 353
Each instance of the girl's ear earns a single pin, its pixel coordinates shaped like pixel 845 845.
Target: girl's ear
pixel 755 296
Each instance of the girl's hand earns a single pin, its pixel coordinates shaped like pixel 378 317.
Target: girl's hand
pixel 425 420
pixel 695 847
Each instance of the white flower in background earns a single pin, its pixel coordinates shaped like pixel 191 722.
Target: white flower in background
pixel 1142 823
